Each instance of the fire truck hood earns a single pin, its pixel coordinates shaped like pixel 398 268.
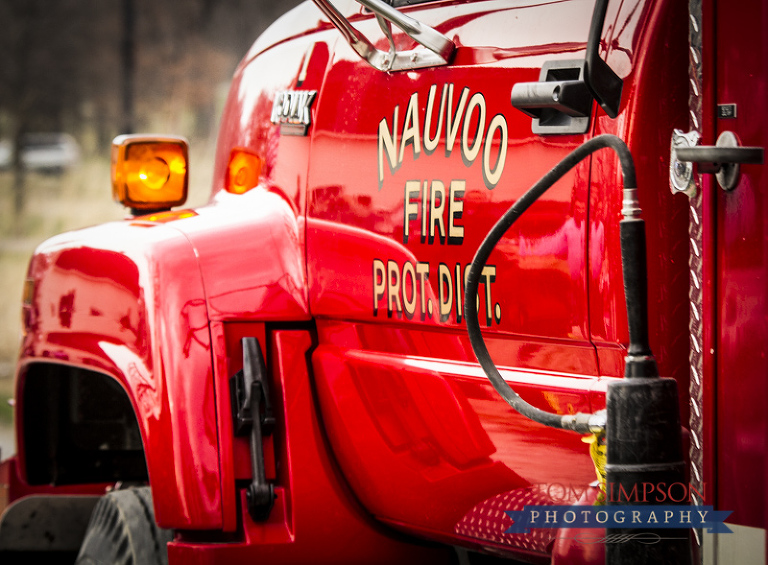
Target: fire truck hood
pixel 249 249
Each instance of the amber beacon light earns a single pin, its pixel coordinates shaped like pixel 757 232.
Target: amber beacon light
pixel 150 172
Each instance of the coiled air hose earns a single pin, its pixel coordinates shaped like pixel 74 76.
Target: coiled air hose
pixel 581 423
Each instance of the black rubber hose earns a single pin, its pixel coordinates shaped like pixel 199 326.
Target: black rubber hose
pixel 632 234
pixel 488 244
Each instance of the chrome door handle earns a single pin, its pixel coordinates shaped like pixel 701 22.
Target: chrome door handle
pixel 723 159
pixel 711 158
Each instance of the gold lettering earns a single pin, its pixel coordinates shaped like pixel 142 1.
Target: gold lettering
pixel 436 208
pixel 470 153
pixel 393 288
pixel 411 208
pixel 430 144
pixel 492 177
pixel 388 142
pixel 379 284
pixel 455 211
pixel 411 128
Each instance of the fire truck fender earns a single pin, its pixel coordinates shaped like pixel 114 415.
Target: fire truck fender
pixel 126 300
pixel 132 300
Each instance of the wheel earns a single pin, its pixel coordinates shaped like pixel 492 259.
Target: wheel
pixel 122 531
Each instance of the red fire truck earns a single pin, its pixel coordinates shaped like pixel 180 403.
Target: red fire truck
pixel 421 309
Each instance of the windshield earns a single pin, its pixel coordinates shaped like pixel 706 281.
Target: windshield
pixel 401 3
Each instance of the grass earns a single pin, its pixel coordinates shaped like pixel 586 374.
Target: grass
pixel 6 393
pixel 54 204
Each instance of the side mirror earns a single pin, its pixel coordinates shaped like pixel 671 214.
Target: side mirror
pixel 561 101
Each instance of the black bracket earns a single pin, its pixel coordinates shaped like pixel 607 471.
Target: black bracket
pixel 252 414
pixel 561 101
pixel 605 85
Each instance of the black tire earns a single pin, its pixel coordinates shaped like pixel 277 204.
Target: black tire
pixel 122 531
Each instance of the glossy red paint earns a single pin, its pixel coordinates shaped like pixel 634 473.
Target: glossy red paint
pixel 114 281
pixel 538 288
pixel 390 233
pixel 246 118
pixel 250 254
pixel 100 303
pixel 313 504
pixel 424 441
pixel 347 263
pixel 709 253
pixel 742 268
pixel 234 451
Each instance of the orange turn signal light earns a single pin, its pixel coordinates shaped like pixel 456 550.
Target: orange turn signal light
pixel 243 171
pixel 150 172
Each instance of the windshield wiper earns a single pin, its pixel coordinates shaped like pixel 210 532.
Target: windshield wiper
pixel 438 49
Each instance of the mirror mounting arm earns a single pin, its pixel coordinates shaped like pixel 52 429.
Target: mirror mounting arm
pixel 437 50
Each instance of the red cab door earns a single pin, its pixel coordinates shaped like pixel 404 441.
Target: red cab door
pixel 741 98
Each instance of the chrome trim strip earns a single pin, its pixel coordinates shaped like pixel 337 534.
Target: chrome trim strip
pixel 695 323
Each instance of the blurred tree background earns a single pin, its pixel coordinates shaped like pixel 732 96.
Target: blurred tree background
pixel 94 69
